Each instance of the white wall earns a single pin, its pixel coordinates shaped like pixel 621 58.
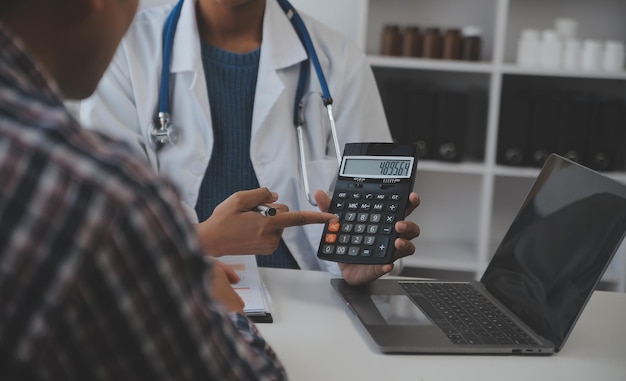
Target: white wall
pixel 347 17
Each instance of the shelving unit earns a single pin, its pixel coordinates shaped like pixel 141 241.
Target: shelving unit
pixel 467 205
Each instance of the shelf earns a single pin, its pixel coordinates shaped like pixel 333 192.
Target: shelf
pixel 467 206
pixel 503 170
pixel 612 273
pixel 437 255
pixel 531 173
pixel 429 64
pixel 460 168
pixel 519 70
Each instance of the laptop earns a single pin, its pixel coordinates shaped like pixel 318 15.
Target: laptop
pixel 534 289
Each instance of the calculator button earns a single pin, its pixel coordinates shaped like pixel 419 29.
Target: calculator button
pixel 375 217
pixel 359 228
pixel 344 238
pixel 363 217
pixel 347 228
pixel 356 196
pixel 369 240
pixel 378 207
pixel 357 239
pixel 369 196
pixel 366 252
pixel 372 229
pixel 387 229
pixel 333 226
pixel 365 206
pixel 350 216
pixel 328 249
pixel 380 196
pixel 342 195
pixel 330 238
pixel 395 197
pixel 390 218
pixel 340 205
pixel 353 250
pixel 381 249
pixel 341 250
pixel 353 205
pixel 392 207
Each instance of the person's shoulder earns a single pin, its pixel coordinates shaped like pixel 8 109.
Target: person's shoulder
pixel 149 23
pixel 107 166
pixel 154 13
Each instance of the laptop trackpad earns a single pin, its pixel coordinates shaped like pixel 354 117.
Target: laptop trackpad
pixel 399 310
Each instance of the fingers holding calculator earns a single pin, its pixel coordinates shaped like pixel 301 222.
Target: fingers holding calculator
pixel 371 196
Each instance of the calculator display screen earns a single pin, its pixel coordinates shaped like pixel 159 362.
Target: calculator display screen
pixel 378 167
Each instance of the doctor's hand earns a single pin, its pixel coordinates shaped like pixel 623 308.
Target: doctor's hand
pixel 355 274
pixel 235 228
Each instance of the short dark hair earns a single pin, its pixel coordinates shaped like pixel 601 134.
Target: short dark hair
pixel 7 5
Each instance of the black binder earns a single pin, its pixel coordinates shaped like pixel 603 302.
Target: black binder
pixel 544 127
pixel 477 115
pixel 573 128
pixel 451 129
pixel 606 143
pixel 421 121
pixel 394 95
pixel 513 132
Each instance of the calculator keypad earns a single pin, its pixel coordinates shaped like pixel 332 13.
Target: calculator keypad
pixel 365 228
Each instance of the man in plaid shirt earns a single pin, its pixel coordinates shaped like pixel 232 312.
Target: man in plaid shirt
pixel 102 276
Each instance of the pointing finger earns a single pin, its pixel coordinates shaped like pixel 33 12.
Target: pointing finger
pixel 301 217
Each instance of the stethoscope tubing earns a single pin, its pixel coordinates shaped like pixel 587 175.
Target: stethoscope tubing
pixel 165 134
pixel 168 43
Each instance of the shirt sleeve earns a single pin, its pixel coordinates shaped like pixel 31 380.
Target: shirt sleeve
pixel 148 293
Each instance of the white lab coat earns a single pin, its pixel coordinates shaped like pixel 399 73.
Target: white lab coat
pixel 127 98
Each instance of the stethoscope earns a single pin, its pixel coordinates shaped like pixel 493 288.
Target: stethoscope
pixel 162 132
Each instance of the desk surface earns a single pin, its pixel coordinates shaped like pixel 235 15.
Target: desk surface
pixel 318 338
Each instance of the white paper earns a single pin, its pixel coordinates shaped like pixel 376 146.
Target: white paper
pixel 250 287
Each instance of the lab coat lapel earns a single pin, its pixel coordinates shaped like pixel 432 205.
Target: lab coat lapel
pixel 186 64
pixel 280 49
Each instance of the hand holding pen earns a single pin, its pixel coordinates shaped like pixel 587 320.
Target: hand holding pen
pixel 265 210
pixel 233 229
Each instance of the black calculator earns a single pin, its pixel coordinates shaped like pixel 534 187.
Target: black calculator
pixel 371 194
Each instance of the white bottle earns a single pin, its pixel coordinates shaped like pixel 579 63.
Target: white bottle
pixel 528 48
pixel 591 56
pixel 571 54
pixel 566 27
pixel 613 56
pixel 551 50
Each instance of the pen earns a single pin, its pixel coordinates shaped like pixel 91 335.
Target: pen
pixel 265 210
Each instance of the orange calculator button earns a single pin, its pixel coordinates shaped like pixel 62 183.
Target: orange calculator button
pixel 333 226
pixel 330 238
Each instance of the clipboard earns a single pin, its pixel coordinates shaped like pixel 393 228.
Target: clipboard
pixel 251 287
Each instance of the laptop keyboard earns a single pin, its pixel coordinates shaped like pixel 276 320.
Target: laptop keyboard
pixel 465 315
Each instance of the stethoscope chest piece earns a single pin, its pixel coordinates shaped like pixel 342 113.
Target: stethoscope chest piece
pixel 162 131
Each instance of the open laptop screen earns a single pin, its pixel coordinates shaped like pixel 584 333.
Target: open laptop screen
pixel 558 247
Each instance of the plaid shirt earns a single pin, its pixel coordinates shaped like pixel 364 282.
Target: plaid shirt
pixel 101 274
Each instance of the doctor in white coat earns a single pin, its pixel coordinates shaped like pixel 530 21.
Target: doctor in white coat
pixel 126 102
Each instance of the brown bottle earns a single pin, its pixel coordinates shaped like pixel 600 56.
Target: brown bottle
pixel 412 42
pixel 431 46
pixel 471 44
pixel 452 44
pixel 391 41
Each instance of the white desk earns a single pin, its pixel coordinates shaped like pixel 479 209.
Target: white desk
pixel 318 338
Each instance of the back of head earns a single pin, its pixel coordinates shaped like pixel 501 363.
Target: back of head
pixel 74 40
